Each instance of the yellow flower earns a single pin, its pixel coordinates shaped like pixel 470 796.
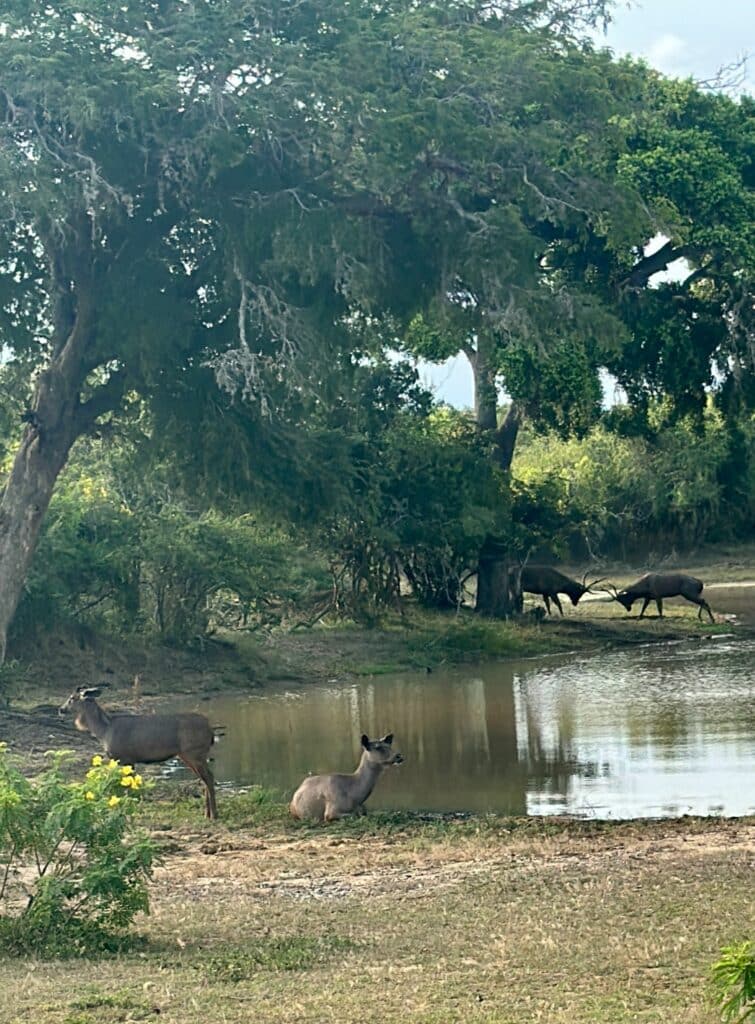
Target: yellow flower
pixel 127 770
pixel 89 795
pixel 127 781
pixel 97 760
pixel 92 774
pixel 112 764
pixel 114 801
pixel 137 781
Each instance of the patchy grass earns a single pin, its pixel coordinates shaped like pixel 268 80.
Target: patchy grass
pixel 426 918
pixel 245 808
pixel 96 1006
pixel 289 953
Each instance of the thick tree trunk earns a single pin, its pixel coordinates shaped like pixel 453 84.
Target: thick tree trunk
pixel 56 419
pixel 55 422
pixel 506 436
pixel 493 596
pixel 485 391
pixel 493 593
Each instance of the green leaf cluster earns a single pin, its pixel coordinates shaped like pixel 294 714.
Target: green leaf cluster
pixel 73 872
pixel 623 496
pixel 733 978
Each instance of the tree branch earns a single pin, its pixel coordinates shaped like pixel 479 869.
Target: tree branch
pixel 641 272
pixel 105 399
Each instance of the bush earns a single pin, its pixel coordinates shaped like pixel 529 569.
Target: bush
pixel 734 983
pixel 72 872
pixel 428 499
pixel 124 555
pixel 623 496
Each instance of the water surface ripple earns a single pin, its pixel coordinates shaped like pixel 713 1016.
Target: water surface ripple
pixel 659 730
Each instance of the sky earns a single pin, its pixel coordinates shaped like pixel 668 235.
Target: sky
pixel 679 38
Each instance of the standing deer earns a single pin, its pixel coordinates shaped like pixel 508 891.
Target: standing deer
pixel 549 583
pixel 147 739
pixel 654 586
pixel 327 797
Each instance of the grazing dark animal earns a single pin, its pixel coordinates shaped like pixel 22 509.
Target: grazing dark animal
pixel 147 739
pixel 549 583
pixel 654 586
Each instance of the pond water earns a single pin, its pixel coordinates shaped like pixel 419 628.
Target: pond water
pixel 653 731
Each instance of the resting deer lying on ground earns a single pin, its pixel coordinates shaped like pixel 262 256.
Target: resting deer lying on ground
pixel 147 739
pixel 327 797
pixel 654 586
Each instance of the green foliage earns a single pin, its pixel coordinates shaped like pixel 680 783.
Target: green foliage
pixel 623 495
pixel 559 389
pixel 123 551
pixel 429 497
pixel 733 977
pixel 689 153
pixel 72 872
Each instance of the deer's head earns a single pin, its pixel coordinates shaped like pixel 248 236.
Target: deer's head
pixel 379 752
pixel 75 703
pixel 582 588
pixel 622 596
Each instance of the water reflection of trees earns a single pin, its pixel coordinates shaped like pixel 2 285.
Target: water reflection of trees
pixel 490 742
pixel 458 737
pixel 464 743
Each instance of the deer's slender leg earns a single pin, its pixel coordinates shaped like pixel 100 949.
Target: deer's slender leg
pixel 702 603
pixel 202 771
pixel 547 603
pixel 558 604
pixel 206 776
pixel 645 603
pixel 659 603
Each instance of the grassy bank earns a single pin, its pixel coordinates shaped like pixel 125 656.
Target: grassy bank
pixel 54 664
pixel 432 920
pixel 416 640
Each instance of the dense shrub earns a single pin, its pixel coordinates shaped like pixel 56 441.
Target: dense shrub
pixel 429 498
pixel 73 873
pixel 136 556
pixel 619 495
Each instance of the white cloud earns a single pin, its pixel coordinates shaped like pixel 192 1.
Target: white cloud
pixel 666 51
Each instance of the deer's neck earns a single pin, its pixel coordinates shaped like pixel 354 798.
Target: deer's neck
pixel 92 718
pixel 365 778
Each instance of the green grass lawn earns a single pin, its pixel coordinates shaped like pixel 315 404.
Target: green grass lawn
pixel 414 918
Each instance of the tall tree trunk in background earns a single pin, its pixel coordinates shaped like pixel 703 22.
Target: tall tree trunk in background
pixel 56 419
pixel 493 596
pixel 41 456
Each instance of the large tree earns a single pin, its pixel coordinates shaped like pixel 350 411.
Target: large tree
pixel 512 164
pixel 187 188
pixel 691 154
pixel 153 160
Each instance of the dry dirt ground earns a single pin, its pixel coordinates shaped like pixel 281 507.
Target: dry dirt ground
pixel 492 920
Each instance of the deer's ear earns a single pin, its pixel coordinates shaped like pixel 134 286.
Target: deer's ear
pixel 91 693
pixel 365 741
pixel 388 739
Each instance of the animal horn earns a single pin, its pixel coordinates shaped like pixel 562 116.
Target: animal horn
pixel 595 583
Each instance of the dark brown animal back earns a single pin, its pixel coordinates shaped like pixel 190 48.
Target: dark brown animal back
pixel 673 584
pixel 543 579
